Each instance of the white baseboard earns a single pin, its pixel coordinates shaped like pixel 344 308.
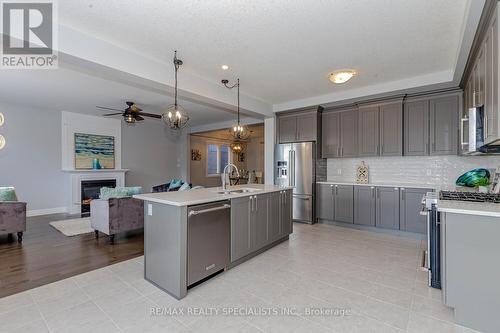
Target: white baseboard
pixel 48 211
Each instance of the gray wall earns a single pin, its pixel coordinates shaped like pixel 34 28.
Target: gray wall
pixel 31 160
pixel 153 154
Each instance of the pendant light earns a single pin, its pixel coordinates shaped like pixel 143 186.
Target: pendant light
pixel 175 116
pixel 238 131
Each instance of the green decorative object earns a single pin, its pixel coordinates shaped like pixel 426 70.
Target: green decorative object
pixel 474 178
pixel 8 194
pixel 119 192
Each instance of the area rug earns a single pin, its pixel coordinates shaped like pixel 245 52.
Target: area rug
pixel 73 227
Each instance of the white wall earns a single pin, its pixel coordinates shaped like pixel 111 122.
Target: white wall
pixel 425 170
pixel 152 153
pixel 269 142
pixel 31 160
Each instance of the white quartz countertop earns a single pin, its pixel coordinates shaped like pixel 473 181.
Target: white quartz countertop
pixel 206 195
pixel 388 184
pixel 470 208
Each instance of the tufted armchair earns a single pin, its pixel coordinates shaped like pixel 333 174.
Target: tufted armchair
pixel 115 215
pixel 13 218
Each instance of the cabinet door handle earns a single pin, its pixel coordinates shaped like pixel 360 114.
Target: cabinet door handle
pixel 373 191
pixel 402 194
pixel 255 202
pixel 336 189
pixel 341 151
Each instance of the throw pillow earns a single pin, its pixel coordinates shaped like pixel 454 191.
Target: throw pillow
pixel 175 183
pixel 119 192
pixel 8 194
pixel 185 187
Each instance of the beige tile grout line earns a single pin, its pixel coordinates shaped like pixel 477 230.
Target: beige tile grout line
pixel 41 314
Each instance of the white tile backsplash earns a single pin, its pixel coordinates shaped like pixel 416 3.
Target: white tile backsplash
pixel 418 170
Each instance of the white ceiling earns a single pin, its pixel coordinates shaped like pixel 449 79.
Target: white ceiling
pixel 69 90
pixel 283 50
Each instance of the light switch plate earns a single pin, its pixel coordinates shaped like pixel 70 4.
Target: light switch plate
pixel 150 210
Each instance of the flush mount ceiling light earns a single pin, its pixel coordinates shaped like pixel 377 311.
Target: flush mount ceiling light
pixel 175 117
pixel 341 76
pixel 2 141
pixel 224 67
pixel 238 131
pixel 2 119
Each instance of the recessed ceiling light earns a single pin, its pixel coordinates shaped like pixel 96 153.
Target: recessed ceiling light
pixel 341 76
pixel 224 67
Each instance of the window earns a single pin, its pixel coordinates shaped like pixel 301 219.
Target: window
pixel 218 156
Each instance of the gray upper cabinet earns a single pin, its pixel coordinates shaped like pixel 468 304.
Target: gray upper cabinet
pixel 344 203
pixel 298 127
pixel 387 207
pixel 349 134
pixel 416 128
pixel 287 129
pixel 391 129
pixel 330 135
pixel 444 113
pixel 325 202
pixel 410 206
pixel 364 205
pixel 368 130
pixel 241 215
pixel 307 126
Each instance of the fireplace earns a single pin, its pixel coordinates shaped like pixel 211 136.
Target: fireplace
pixel 91 190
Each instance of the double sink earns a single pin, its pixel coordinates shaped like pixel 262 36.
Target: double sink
pixel 238 191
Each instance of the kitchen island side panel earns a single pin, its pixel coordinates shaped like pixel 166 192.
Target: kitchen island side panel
pixel 165 247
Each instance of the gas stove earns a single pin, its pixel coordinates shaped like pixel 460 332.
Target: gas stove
pixel 469 196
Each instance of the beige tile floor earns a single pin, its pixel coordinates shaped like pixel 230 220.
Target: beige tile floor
pixel 372 277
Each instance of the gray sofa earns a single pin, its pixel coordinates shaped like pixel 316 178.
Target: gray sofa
pixel 116 215
pixel 13 218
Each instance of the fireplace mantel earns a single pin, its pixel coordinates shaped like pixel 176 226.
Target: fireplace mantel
pixel 77 176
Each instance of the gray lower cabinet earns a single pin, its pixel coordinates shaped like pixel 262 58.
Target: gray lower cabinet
pixel 325 202
pixel 387 208
pixel 241 227
pixel 259 220
pixel 286 213
pixel 416 128
pixel 274 216
pixel 364 205
pixel 444 113
pixel 344 203
pixel 410 206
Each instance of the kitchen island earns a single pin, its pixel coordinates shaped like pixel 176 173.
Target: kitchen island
pixel 470 262
pixel 191 235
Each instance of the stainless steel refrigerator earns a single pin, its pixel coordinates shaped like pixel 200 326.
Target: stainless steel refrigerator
pixel 295 166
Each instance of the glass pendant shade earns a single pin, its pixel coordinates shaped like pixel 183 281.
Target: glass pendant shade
pixel 237 147
pixel 240 132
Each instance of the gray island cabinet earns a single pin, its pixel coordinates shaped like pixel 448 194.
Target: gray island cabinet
pixel 185 232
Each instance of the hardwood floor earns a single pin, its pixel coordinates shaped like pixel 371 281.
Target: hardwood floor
pixel 46 255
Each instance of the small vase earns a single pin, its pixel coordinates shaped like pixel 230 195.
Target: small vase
pixel 96 165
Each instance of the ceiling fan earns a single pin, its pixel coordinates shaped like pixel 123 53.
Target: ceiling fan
pixel 131 114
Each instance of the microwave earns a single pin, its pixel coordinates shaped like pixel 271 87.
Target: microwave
pixel 476 119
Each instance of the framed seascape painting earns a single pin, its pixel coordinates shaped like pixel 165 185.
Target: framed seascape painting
pixel 94 151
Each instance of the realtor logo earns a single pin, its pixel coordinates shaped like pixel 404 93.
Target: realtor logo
pixel 29 35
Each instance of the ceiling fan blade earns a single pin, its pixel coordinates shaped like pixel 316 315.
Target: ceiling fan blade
pixel 138 118
pixel 112 114
pixel 105 108
pixel 152 115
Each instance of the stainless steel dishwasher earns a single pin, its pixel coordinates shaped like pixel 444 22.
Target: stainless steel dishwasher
pixel 208 237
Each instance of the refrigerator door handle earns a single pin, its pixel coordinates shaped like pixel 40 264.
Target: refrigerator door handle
pixel 292 168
